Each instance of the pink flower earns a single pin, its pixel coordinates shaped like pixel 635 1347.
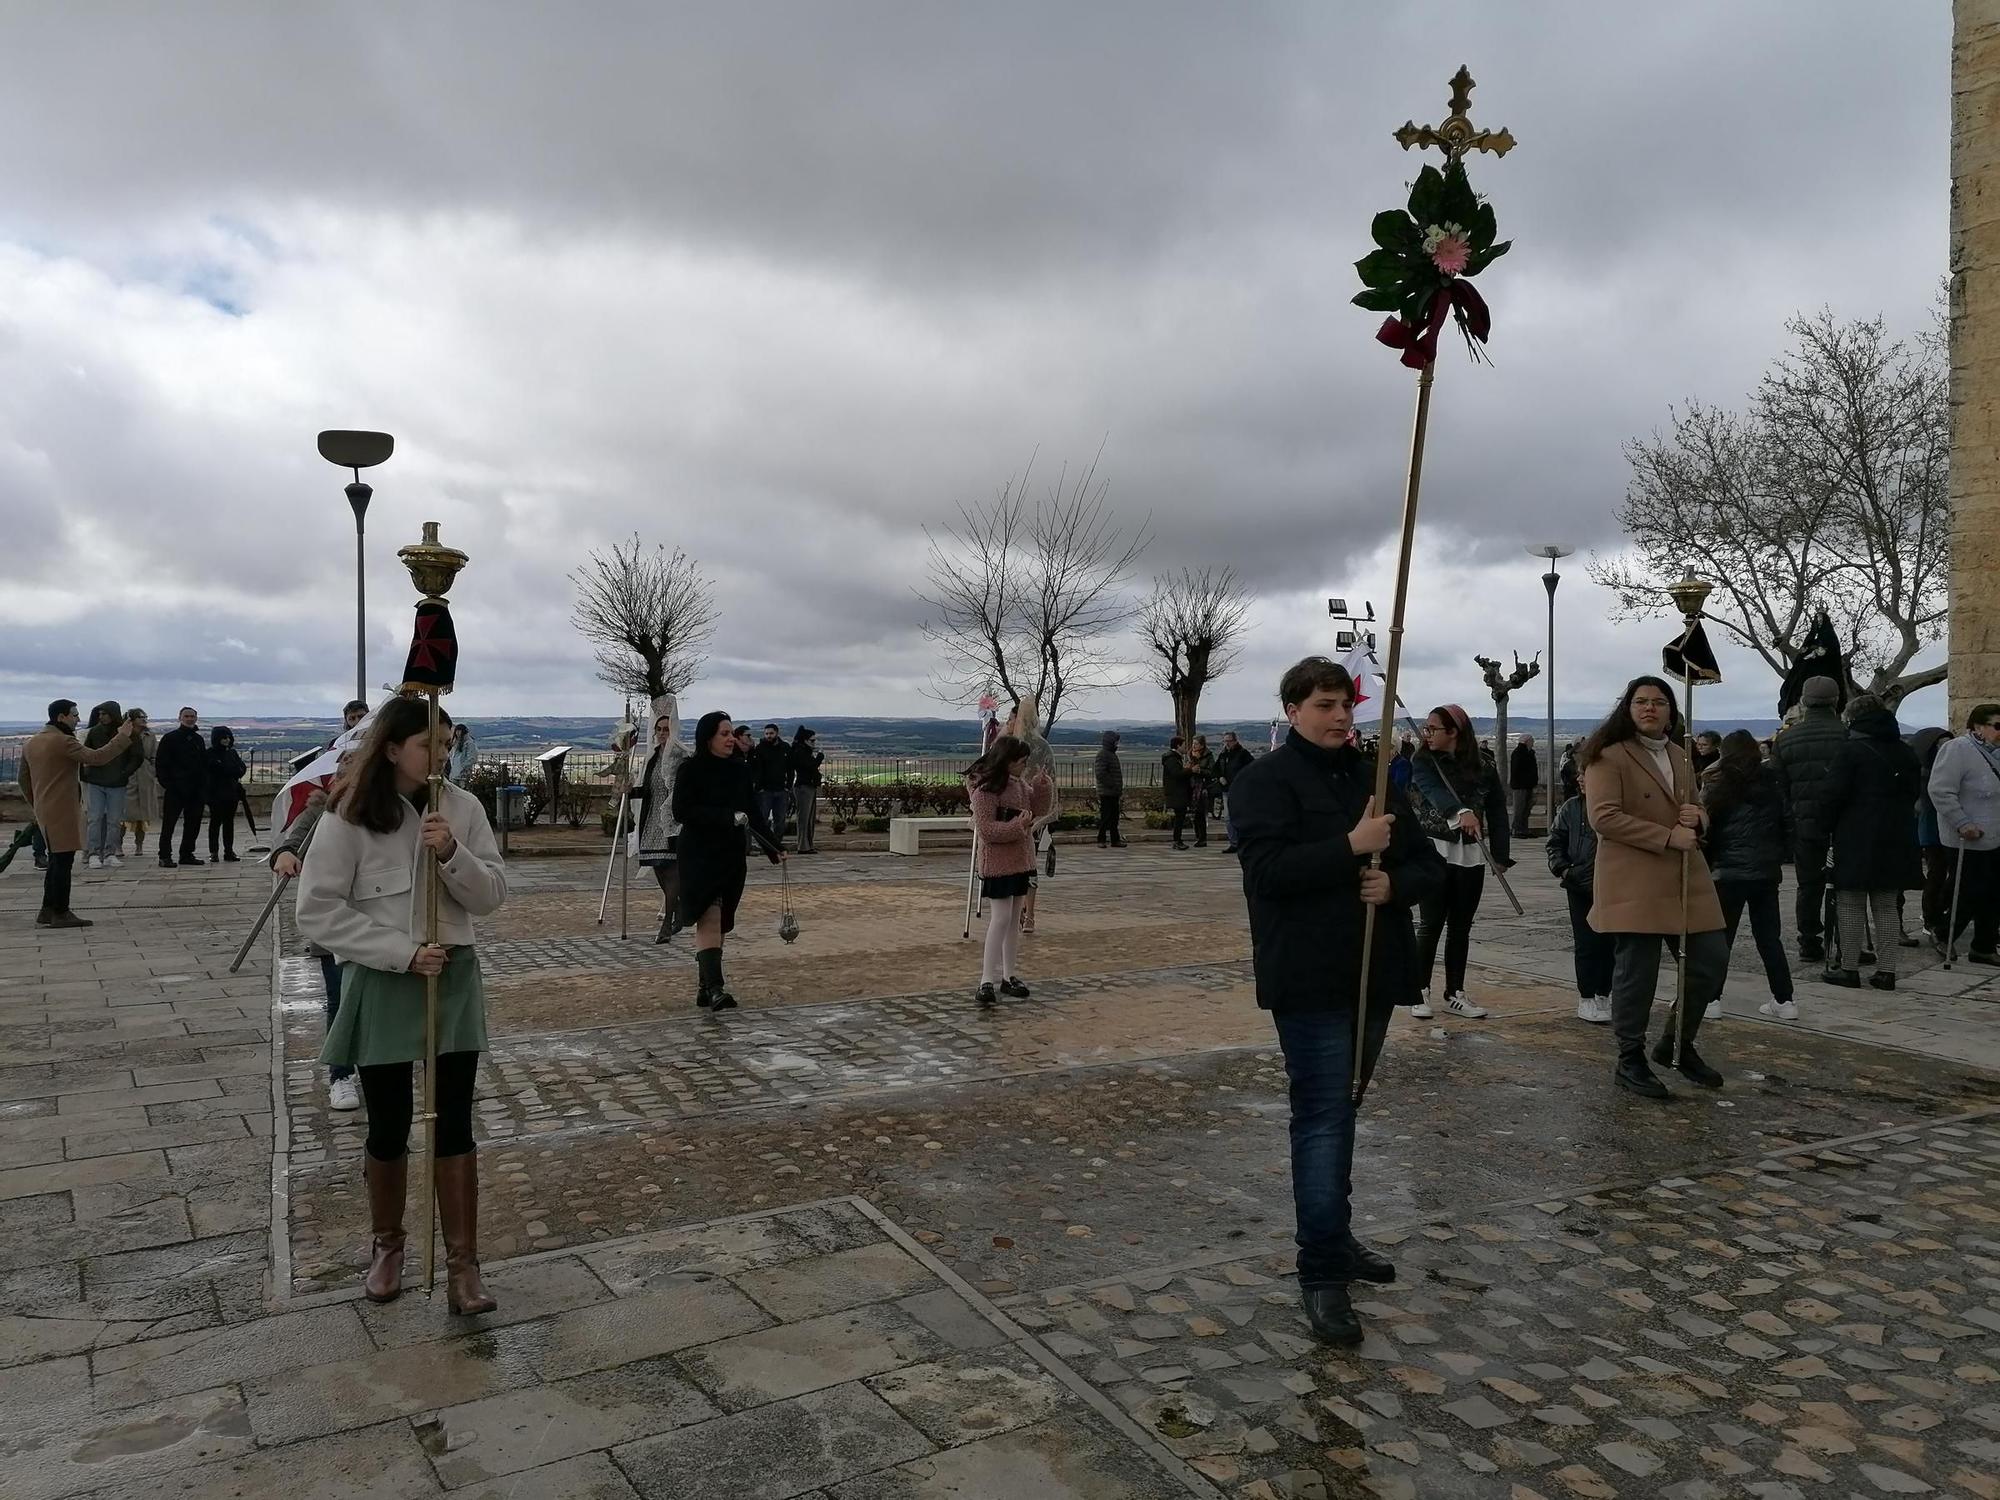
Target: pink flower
pixel 1449 248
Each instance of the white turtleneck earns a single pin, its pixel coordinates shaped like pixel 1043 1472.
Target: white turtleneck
pixel 1657 748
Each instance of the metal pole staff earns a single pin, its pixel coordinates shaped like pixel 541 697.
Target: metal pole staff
pixel 971 884
pixel 284 881
pixel 611 862
pixel 1688 595
pixel 432 880
pixel 1485 852
pixel 1951 922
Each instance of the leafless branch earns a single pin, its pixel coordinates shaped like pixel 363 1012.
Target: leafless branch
pixel 1190 624
pixel 1828 492
pixel 649 613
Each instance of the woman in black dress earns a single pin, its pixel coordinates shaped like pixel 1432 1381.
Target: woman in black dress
pixel 714 804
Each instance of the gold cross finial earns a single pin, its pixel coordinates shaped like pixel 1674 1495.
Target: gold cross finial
pixel 1456 136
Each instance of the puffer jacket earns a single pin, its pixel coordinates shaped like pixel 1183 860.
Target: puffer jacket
pixel 1572 847
pixel 1803 757
pixel 1749 838
pixel 1871 799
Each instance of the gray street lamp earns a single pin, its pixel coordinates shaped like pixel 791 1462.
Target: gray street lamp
pixel 358 451
pixel 1554 552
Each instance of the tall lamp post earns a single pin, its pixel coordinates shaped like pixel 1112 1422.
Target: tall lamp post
pixel 358 451
pixel 1554 552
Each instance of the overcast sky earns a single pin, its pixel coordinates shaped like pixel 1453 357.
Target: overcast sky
pixel 780 284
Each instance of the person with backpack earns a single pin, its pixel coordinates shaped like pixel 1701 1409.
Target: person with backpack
pixel 1749 834
pixel 1572 856
pixel 1869 802
pixel 1965 789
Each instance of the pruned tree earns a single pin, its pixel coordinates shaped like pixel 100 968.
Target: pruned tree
pixel 1827 492
pixel 1025 597
pixel 1190 623
pixel 649 612
pixel 1501 683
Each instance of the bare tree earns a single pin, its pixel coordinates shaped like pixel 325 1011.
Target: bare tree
pixel 1502 683
pixel 1828 492
pixel 1190 624
pixel 1024 597
pixel 649 612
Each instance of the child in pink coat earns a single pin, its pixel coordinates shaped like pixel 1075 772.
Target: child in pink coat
pixel 1004 810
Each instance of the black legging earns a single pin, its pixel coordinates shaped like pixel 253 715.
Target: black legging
pixel 222 826
pixel 1449 914
pixel 386 1087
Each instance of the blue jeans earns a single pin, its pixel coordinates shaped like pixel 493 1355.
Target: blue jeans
pixel 329 973
pixel 103 818
pixel 1319 1052
pixel 772 804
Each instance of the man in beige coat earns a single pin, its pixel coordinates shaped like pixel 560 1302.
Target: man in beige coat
pixel 49 780
pixel 1640 793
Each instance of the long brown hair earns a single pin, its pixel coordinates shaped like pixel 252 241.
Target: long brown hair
pixel 992 771
pixel 365 791
pixel 1618 725
pixel 1464 756
pixel 1738 768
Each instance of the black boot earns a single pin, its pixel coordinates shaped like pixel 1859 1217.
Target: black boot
pixel 1633 1074
pixel 719 997
pixel 1363 1264
pixel 1331 1315
pixel 1882 980
pixel 708 964
pixel 1690 1067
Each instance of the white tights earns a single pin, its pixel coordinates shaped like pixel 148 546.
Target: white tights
pixel 1003 938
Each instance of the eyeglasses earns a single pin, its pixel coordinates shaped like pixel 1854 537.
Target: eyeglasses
pixel 1651 703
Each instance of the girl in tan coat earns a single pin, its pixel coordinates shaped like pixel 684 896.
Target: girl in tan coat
pixel 1640 793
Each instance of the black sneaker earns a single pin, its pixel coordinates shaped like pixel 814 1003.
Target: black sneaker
pixel 1691 1067
pixel 193 859
pixel 988 997
pixel 1847 979
pixel 231 859
pixel 1228 848
pixel 1991 960
pixel 1882 981
pixel 1331 1314
pixel 1014 987
pixel 1812 950
pixel 167 862
pixel 1633 1074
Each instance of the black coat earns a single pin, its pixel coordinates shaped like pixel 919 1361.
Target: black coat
pixel 1293 810
pixel 1176 786
pixel 1871 800
pixel 225 776
pixel 1572 848
pixel 1749 837
pixel 1804 754
pixel 709 792
pixel 1524 771
pixel 771 765
pixel 181 763
pixel 1229 764
pixel 805 762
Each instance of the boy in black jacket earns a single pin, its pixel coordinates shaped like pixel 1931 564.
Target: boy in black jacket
pixel 1307 825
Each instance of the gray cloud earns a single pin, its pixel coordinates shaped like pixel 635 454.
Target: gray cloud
pixel 780 284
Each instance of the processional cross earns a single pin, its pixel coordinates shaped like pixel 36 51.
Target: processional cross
pixel 1456 136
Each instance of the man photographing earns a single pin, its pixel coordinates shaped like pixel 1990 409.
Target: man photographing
pixel 1307 826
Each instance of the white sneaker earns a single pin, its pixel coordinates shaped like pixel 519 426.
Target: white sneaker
pixel 113 862
pixel 1458 1005
pixel 1779 1010
pixel 343 1094
pixel 1595 1009
pixel 1714 1011
pixel 96 863
pixel 1422 1009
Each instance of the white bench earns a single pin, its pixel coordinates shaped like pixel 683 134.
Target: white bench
pixel 905 834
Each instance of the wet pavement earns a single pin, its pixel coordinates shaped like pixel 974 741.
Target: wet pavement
pixel 859 1239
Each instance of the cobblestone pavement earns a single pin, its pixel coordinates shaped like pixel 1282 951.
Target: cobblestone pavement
pixel 1047 1249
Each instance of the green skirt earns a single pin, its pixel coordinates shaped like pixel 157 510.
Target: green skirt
pixel 381 1017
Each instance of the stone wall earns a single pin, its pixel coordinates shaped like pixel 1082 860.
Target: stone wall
pixel 1975 355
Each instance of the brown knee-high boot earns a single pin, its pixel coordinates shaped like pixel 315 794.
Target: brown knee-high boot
pixel 458 1216
pixel 386 1183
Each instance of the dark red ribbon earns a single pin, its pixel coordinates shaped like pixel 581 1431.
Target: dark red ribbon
pixel 1420 345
